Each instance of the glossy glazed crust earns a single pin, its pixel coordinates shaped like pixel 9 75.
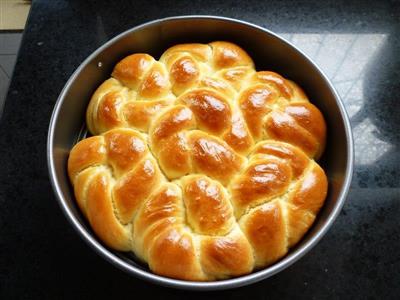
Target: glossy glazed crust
pixel 200 165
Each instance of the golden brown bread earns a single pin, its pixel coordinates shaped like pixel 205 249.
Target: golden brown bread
pixel 200 165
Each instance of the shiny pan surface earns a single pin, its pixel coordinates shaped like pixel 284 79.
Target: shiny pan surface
pixel 270 52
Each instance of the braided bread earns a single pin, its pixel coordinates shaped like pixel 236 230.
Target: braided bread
pixel 200 165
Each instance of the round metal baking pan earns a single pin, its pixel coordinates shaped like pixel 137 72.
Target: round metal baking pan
pixel 270 52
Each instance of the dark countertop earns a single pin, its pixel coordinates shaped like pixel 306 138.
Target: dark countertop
pixel 358 46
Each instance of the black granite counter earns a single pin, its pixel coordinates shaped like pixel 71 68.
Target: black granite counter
pixel 358 46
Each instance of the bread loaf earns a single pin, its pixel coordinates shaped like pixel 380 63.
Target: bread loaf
pixel 200 165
